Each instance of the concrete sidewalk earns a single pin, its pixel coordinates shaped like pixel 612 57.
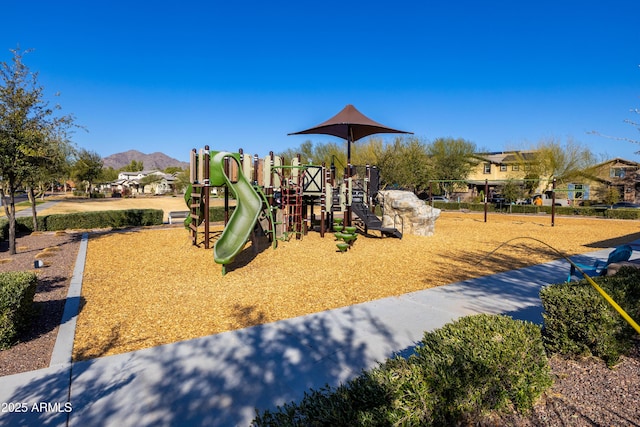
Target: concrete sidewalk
pixel 39 208
pixel 219 380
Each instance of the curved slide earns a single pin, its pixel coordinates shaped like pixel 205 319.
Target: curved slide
pixel 244 216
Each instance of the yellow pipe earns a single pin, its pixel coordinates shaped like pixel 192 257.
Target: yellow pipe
pixel 613 304
pixel 606 296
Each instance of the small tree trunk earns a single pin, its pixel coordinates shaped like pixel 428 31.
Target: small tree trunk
pixel 10 212
pixel 34 213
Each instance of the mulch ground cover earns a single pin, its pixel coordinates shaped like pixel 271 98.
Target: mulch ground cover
pixel 148 287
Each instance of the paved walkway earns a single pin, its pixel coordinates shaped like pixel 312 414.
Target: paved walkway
pixel 39 208
pixel 218 380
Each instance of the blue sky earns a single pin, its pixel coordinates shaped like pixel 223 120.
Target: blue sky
pixel 170 76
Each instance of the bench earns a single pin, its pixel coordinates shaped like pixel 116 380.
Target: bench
pixel 177 214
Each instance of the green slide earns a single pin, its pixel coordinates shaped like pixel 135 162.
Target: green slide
pixel 244 216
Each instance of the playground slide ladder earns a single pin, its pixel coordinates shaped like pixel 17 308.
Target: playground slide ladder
pixel 292 210
pixel 195 207
pixel 266 220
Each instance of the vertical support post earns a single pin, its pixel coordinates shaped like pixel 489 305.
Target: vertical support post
pixel 193 178
pixel 256 167
pixel 193 166
pixel 430 194
pixel 206 192
pixel 486 191
pixel 347 188
pixel 553 202
pixel 226 192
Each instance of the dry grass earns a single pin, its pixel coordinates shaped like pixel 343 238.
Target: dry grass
pixel 149 287
pixel 166 203
pixel 47 252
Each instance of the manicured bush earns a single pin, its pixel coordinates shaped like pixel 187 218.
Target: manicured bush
pixel 216 213
pixel 17 290
pixel 86 220
pixel 104 219
pixel 23 225
pixel 623 213
pixel 483 363
pixel 579 321
pixel 459 373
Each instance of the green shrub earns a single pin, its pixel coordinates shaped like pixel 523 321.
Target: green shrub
pixel 103 219
pixel 23 225
pixel 216 213
pixel 359 402
pixel 86 220
pixel 468 368
pixel 17 290
pixel 483 363
pixel 623 213
pixel 579 321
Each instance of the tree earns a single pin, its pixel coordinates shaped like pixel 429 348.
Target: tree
pixel 57 152
pixel 171 170
pixel 511 191
pixel 108 174
pixel 152 178
pixel 182 180
pixel 563 161
pixel 87 168
pixel 28 129
pixel 405 164
pixel 134 166
pixel 328 153
pixel 452 160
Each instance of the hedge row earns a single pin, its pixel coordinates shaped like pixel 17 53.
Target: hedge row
pixel 532 209
pixel 579 321
pixel 87 220
pixel 459 373
pixel 17 290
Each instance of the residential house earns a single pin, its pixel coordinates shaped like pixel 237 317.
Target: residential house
pixel 499 167
pixel 619 174
pixel 495 169
pixel 133 183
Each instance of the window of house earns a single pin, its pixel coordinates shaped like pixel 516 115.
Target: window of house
pixel 616 173
pixel 503 168
pixel 527 167
pixel 515 167
pixel 487 168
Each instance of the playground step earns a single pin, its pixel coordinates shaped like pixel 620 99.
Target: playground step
pixel 372 222
pixel 392 232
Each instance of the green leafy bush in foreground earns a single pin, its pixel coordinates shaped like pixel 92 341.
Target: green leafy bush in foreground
pixel 461 372
pixel 578 321
pixel 17 290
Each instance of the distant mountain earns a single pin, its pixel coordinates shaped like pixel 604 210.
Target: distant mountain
pixel 149 161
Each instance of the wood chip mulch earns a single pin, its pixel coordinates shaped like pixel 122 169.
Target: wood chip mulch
pixel 148 287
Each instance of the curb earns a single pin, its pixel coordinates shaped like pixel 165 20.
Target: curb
pixel 63 348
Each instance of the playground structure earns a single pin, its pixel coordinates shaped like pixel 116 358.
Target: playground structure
pixel 273 199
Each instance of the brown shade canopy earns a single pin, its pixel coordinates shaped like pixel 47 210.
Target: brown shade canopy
pixel 349 124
